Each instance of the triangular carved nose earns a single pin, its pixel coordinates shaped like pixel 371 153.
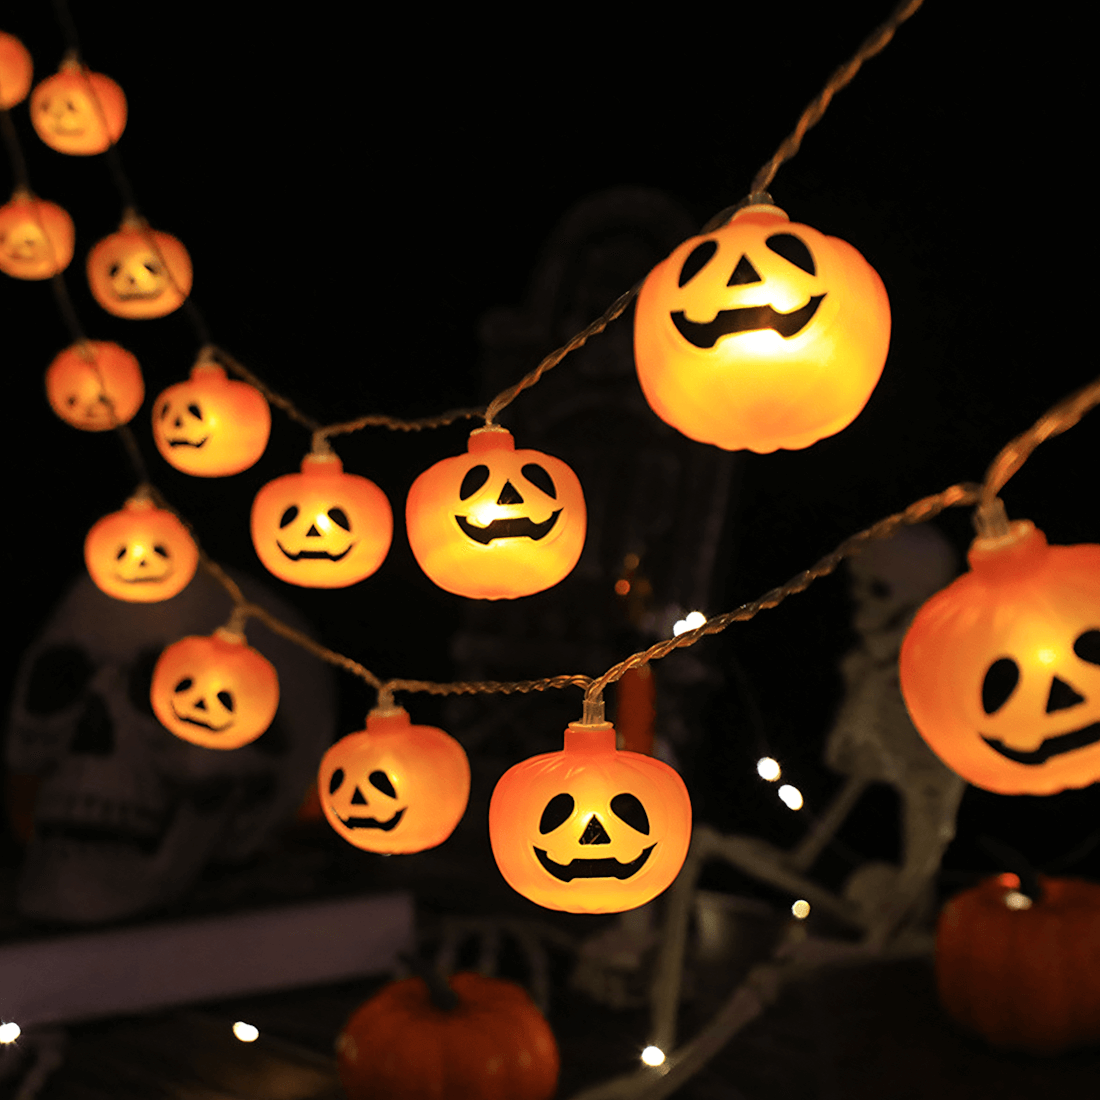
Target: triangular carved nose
pixel 200 705
pixel 509 495
pixel 313 533
pixel 594 832
pixel 744 273
pixel 1062 696
pixel 357 799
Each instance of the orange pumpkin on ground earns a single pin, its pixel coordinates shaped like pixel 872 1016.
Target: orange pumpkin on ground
pixel 139 272
pixel 16 71
pixel 77 111
pixel 95 386
pixel 36 237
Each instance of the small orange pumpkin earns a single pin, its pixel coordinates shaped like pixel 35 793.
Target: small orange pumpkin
pixel 36 237
pixel 211 425
pixel 141 553
pixel 321 528
pixel 496 523
pixel 590 829
pixel 139 272
pixel 77 111
pixel 394 787
pixel 95 385
pixel 16 71
pixel 215 691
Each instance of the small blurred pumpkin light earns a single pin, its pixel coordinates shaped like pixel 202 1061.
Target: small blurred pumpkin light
pixel 77 111
pixel 760 335
pixel 16 71
pixel 95 385
pixel 36 237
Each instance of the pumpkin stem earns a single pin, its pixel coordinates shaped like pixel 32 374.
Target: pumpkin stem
pixel 442 995
pixel 1012 860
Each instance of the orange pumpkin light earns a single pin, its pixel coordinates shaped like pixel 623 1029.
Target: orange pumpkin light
pixel 760 335
pixel 139 272
pixel 394 787
pixel 496 523
pixel 141 554
pixel 211 426
pixel 215 691
pixel 321 528
pixel 77 111
pixel 36 237
pixel 1001 670
pixel 16 71
pixel 95 386
pixel 590 829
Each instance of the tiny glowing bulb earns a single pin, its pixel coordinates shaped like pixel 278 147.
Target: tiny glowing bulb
pixel 792 796
pixel 247 1033
pixel 653 1056
pixel 768 769
pixel 689 622
pixel 9 1032
pixel 801 909
pixel 622 586
pixel 1015 900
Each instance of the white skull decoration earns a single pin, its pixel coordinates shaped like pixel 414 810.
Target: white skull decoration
pixel 127 815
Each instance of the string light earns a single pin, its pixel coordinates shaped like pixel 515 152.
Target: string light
pixel 653 1056
pixel 768 769
pixel 800 910
pixel 9 1032
pixel 791 796
pixel 690 621
pixel 247 1033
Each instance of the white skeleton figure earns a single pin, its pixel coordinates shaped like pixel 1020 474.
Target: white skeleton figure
pixel 127 815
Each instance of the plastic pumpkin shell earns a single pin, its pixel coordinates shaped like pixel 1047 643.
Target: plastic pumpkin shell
pixel 760 335
pixel 321 528
pixel 95 386
pixel 1001 670
pixel 496 523
pixel 77 111
pixel 36 237
pixel 495 1045
pixel 211 425
pixel 16 71
pixel 394 787
pixel 139 272
pixel 214 691
pixel 1024 977
pixel 590 829
pixel 141 553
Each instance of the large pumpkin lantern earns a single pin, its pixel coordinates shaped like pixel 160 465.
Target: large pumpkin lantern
pixel 479 1038
pixel 77 111
pixel 36 237
pixel 139 272
pixel 16 71
pixel 321 528
pixel 1001 670
pixel 142 553
pixel 590 829
pixel 95 385
pixel 760 335
pixel 1022 972
pixel 211 425
pixel 394 787
pixel 215 691
pixel 496 523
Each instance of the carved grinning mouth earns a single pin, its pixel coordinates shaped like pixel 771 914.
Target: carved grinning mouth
pixel 198 721
pixel 144 578
pixel 187 442
pixel 311 555
pixel 745 319
pixel 372 823
pixel 593 868
pixel 518 527
pixel 1052 746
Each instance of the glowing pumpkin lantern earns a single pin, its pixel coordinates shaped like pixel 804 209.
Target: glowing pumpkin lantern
pixel 762 334
pixel 77 111
pixel 215 691
pixel 321 528
pixel 139 272
pixel 211 425
pixel 496 523
pixel 590 829
pixel 394 787
pixel 1001 670
pixel 95 385
pixel 36 237
pixel 141 554
pixel 16 71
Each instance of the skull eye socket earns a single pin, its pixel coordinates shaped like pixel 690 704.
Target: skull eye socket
pixel 289 516
pixel 1087 647
pixel 226 699
pixel 336 781
pixel 381 782
pixel 698 258
pixel 557 811
pixel 540 478
pixel 793 251
pixel 999 683
pixel 184 684
pixel 629 808
pixel 340 518
pixel 57 678
pixel 475 477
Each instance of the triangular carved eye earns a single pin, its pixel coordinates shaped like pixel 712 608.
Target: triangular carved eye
pixel 289 516
pixel 475 477
pixel 381 782
pixel 793 251
pixel 340 518
pixel 540 478
pixel 698 258
pixel 630 809
pixel 557 811
pixel 744 273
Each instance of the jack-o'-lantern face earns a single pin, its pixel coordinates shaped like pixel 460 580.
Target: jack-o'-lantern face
pixel 394 787
pixel 1001 670
pixel 141 554
pixel 211 426
pixel 590 829
pixel 77 111
pixel 321 528
pixel 496 523
pixel 36 238
pixel 215 691
pixel 16 71
pixel 760 335
pixel 95 386
pixel 139 272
